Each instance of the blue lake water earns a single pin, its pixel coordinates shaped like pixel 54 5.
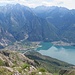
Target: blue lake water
pixel 64 53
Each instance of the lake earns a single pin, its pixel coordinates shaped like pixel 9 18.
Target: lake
pixel 64 53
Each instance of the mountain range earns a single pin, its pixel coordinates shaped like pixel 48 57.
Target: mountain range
pixel 61 18
pixel 18 22
pixel 21 27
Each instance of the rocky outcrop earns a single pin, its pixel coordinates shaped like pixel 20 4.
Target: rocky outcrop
pixel 12 56
pixel 67 72
pixel 14 63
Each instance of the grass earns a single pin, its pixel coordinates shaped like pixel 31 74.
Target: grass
pixel 42 70
pixel 25 65
pixel 55 74
pixel 4 71
pixel 50 64
pixel 2 63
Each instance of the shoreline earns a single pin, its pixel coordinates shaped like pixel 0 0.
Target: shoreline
pixel 61 43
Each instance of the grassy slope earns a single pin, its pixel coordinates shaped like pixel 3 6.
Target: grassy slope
pixel 51 64
pixel 12 62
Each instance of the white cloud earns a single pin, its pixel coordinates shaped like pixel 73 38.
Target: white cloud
pixel 65 3
pixel 33 3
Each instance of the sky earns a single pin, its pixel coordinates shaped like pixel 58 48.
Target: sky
pixel 33 3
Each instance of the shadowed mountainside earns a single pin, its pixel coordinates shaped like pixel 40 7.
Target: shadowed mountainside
pixel 18 22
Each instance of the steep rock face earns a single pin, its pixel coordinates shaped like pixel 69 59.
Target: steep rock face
pixel 5 38
pixel 62 18
pixel 39 24
pixel 22 23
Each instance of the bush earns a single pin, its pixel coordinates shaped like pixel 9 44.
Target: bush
pixel 20 70
pixel 7 64
pixel 24 66
pixel 33 73
pixel 2 63
pixel 42 70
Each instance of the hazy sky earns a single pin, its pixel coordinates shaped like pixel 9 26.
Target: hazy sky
pixel 33 3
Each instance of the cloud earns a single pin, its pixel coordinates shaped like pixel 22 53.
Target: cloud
pixel 65 3
pixel 33 3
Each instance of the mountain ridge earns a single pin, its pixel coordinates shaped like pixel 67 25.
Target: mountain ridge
pixel 23 23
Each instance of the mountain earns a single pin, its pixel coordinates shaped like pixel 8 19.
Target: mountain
pixel 5 38
pixel 18 22
pixel 21 22
pixel 12 62
pixel 55 15
pixel 21 28
pixel 62 18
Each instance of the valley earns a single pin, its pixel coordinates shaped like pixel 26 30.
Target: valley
pixel 32 63
pixel 37 41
